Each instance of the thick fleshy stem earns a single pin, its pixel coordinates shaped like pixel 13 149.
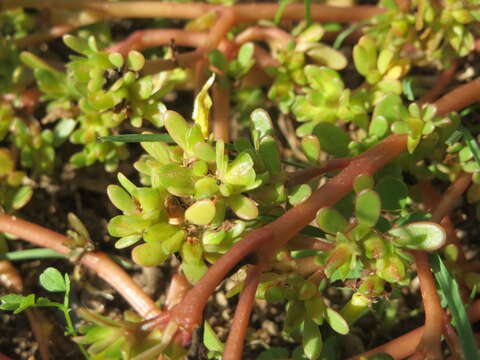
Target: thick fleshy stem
pixel 238 330
pixel 305 175
pixel 405 345
pixel 171 10
pixel 442 81
pixel 144 39
pixel 98 262
pixel 459 98
pixel 221 112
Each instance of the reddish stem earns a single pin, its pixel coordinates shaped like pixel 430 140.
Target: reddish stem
pixel 171 10
pixel 221 112
pixel 305 175
pixel 442 81
pixel 459 98
pixel 177 290
pixel 405 345
pixel 100 263
pixel 430 343
pixel 236 336
pixel 144 39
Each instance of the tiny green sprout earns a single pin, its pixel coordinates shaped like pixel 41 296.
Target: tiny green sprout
pixel 53 281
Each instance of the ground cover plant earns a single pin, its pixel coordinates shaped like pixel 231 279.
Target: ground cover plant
pixel 250 180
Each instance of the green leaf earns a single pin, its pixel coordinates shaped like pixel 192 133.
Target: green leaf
pixel 312 339
pixel 424 235
pixel 261 121
pixel 26 302
pixel 149 254
pixel 52 280
pixel 201 212
pixel 124 225
pixel 11 302
pixel 218 60
pixel 245 56
pixel 210 339
pixel 21 197
pixel 331 221
pixel 121 199
pixel 393 193
pixel 299 194
pixel 472 144
pixel 135 60
pixel 336 321
pixel 202 105
pixel 273 353
pixel 367 207
pixel 177 127
pixel 332 139
pixel 270 154
pixel 311 148
pixel 450 290
pixel 243 207
pixel 362 182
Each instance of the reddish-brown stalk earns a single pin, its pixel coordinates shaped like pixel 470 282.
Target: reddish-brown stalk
pixel 238 330
pixel 451 197
pixel 441 82
pixel 10 277
pixel 144 39
pixel 221 112
pixel 459 98
pixel 430 344
pixel 431 198
pixel 302 176
pixel 268 34
pixel 268 239
pixel 177 290
pixel 100 263
pixel 405 345
pixel 220 29
pixel 39 37
pixel 4 357
pixel 244 12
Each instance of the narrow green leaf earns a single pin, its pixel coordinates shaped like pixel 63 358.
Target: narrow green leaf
pixel 449 288
pixel 136 138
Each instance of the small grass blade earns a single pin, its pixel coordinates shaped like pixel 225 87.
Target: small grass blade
pixel 448 287
pixel 136 138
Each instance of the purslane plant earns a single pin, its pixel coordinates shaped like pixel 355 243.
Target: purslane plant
pixel 221 205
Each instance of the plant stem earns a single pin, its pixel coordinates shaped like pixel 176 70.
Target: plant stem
pixel 305 175
pixel 442 81
pixel 100 263
pixel 171 10
pixel 238 330
pixel 459 98
pixel 143 39
pixel 221 112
